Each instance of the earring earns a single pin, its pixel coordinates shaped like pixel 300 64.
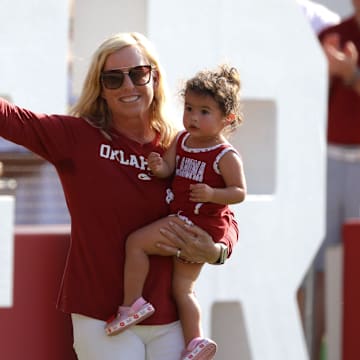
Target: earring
pixel 231 117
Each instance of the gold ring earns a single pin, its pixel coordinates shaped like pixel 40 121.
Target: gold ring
pixel 178 253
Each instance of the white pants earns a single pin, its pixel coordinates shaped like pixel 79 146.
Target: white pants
pixel 140 342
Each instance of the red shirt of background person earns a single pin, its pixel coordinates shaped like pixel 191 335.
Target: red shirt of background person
pixel 342 45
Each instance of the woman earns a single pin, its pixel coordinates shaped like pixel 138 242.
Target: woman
pixel 99 153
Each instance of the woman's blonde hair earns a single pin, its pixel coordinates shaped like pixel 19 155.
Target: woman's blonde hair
pixel 93 107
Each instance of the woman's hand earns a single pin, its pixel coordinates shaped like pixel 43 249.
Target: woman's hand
pixel 189 242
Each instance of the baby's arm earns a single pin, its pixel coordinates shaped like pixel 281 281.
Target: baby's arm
pixel 163 166
pixel 231 168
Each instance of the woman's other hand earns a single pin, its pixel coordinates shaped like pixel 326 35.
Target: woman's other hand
pixel 189 242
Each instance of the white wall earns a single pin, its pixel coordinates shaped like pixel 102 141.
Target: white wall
pixel 95 20
pixel 33 53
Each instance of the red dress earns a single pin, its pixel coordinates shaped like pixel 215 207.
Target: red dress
pixel 193 166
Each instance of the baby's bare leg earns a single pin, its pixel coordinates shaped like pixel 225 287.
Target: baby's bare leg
pixel 139 245
pixel 185 275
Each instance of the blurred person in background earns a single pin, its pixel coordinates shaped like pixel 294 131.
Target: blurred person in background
pixel 319 17
pixel 341 45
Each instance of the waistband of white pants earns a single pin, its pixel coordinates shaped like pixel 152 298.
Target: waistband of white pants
pixel 349 153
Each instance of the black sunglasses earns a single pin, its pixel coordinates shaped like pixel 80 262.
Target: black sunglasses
pixel 139 75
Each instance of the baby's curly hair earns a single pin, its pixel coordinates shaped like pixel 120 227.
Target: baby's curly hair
pixel 223 84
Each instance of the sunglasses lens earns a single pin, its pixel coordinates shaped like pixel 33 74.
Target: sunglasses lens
pixel 113 81
pixel 140 75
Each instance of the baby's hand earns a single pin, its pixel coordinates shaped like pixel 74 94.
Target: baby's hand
pixel 155 161
pixel 201 193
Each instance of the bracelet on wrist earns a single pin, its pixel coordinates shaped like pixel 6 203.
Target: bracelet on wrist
pixel 223 254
